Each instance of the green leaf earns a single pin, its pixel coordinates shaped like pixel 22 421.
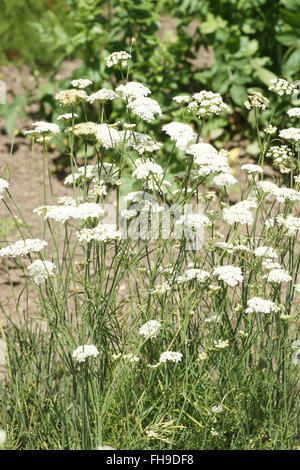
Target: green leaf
pixel 288 39
pixel 238 94
pixel 263 74
pixel 290 17
pixel 292 64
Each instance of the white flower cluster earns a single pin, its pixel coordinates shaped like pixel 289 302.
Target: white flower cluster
pixel 70 97
pixel 147 168
pixel 100 233
pixel 282 157
pixel 270 130
pixel 239 213
pixel 41 270
pixel 43 128
pixel 170 356
pixel 267 251
pixel 224 179
pixel 208 159
pixel 107 136
pixel 256 100
pixel 94 173
pixel 102 95
pixel 182 134
pixel 3 186
pixel 63 213
pixel 66 116
pixel 291 223
pixel 294 112
pixel 145 108
pixel 140 142
pixel 259 305
pixel 23 247
pixel 133 90
pixel 281 194
pixel 230 248
pixel 292 133
pixel 192 274
pixel 207 103
pixel 221 344
pixel 250 168
pixel 150 329
pixel 161 288
pixel 85 351
pixel 278 276
pixel 81 83
pixel 282 87
pixel 83 129
pixel 182 99
pixel 193 221
pixel 117 58
pixel 231 275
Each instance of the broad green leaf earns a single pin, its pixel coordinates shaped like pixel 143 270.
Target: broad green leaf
pixel 238 94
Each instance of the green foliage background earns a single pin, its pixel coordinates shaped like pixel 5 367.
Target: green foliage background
pixel 252 42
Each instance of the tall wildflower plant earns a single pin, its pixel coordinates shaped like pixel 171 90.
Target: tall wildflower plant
pixel 168 316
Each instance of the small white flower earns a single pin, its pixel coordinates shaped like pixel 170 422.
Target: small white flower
pixel 70 97
pixel 182 134
pixel 221 344
pixel 278 276
pixel 207 103
pixel 182 99
pixel 150 329
pixel 170 356
pixel 102 96
pixel 133 90
pixel 292 133
pixel 145 108
pixel 282 87
pixel 224 179
pixel 250 168
pixel 41 270
pixel 265 251
pixel 81 83
pixel 3 437
pixel 217 409
pixel 66 116
pixel 259 305
pixel 294 112
pixel 85 351
pixel 231 275
pixel 23 247
pixel 3 186
pixel 117 58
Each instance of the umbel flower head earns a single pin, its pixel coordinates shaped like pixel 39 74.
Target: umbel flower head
pixel 207 103
pixel 182 134
pixel 117 58
pixel 3 186
pixel 256 100
pixel 85 130
pixel 23 247
pixel 81 83
pixel 145 108
pixel 70 97
pixel 133 90
pixel 85 351
pixel 102 95
pixel 41 270
pixel 43 128
pixel 231 275
pixel 150 329
pixel 282 87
